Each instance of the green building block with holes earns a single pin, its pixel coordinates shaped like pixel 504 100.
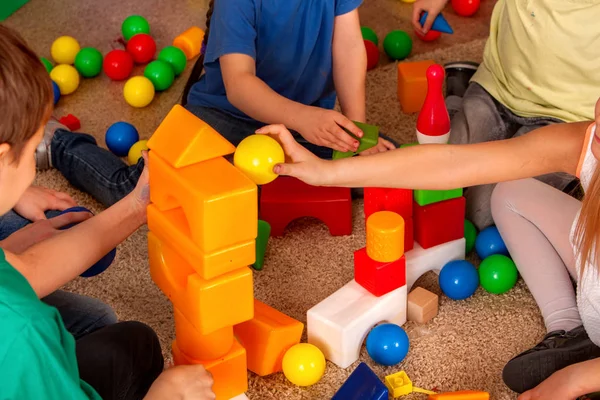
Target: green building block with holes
pixel 369 139
pixel 264 231
pixel 7 7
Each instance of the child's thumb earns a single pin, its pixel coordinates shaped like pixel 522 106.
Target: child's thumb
pixel 285 169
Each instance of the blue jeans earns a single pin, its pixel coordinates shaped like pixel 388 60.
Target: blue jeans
pixel 81 315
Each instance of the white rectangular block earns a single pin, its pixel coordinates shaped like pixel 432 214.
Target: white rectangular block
pixel 420 260
pixel 339 324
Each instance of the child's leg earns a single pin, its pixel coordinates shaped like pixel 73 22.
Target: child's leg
pixel 120 361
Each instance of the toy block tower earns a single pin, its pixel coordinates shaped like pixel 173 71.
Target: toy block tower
pixel 203 226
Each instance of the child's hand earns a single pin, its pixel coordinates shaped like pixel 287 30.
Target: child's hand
pixel 324 128
pixel 185 382
pixel 383 145
pixel 304 164
pixel 433 8
pixel 36 200
pixel 140 196
pixel 559 386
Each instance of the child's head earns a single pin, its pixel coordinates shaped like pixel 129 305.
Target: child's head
pixel 26 97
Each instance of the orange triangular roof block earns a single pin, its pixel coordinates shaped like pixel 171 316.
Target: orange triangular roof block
pixel 183 139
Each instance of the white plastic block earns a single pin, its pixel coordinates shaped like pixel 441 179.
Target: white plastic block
pixel 240 397
pixel 420 260
pixel 339 324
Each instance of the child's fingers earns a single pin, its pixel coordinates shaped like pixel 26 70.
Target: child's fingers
pixel 416 16
pixel 65 200
pixel 348 125
pixel 428 22
pixel 286 169
pixel 283 136
pixel 388 145
pixel 69 218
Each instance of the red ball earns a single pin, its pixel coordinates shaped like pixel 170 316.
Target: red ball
pixel 465 8
pixel 118 65
pixel 372 54
pixel 142 48
pixel 429 36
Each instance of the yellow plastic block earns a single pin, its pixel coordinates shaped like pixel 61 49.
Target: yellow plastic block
pixel 172 228
pixel 183 139
pixel 385 236
pixel 219 201
pixel 197 345
pixel 209 305
pixel 412 84
pixel 462 395
pixel 267 337
pixel 229 372
pixel 190 42
pixel 399 384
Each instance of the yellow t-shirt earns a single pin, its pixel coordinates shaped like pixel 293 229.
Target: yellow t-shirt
pixel 543 58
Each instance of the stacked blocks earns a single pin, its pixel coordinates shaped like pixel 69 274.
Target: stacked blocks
pixel 369 139
pixel 190 42
pixel 412 84
pixel 399 201
pixel 362 384
pixel 440 222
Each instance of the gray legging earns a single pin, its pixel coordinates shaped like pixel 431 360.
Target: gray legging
pixel 535 221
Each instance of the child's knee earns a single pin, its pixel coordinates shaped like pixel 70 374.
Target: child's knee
pixel 503 196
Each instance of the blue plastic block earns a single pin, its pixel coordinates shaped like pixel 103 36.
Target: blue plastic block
pixel 362 384
pixel 439 24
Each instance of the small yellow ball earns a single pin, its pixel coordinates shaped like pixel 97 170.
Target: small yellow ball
pixel 66 77
pixel 135 152
pixel 64 50
pixel 256 156
pixel 138 91
pixel 303 364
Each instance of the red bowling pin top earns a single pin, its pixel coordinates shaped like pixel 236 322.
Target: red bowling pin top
pixel 433 124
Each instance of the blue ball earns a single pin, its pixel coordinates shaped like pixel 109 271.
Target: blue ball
pixel 387 344
pixel 56 92
pixel 489 242
pixel 105 261
pixel 459 279
pixel 120 137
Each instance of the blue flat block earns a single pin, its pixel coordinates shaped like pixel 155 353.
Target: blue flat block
pixel 362 384
pixel 439 24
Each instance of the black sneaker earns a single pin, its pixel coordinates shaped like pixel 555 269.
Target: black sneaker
pixel 558 350
pixel 458 75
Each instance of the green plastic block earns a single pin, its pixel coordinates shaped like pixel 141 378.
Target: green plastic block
pixel 408 145
pixel 424 197
pixel 264 231
pixel 7 7
pixel 369 139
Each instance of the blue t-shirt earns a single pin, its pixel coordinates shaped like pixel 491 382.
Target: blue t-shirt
pixel 290 40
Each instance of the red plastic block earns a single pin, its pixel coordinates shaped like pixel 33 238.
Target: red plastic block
pixel 409 234
pixel 71 122
pixel 399 201
pixel 286 199
pixel 377 277
pixel 439 223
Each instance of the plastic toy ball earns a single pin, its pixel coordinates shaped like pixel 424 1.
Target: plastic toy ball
pixel 459 279
pixel 66 77
pixel 138 91
pixel 470 235
pixel 118 65
pixel 387 344
pixel 372 54
pixel 490 242
pixel 142 48
pixel 160 74
pixel 135 152
pixel 370 35
pixel 175 57
pixel 56 90
pixel 498 274
pixel 465 8
pixel 104 262
pixel 256 156
pixel 47 64
pixel 120 137
pixel 64 50
pixel 88 62
pixel 397 45
pixel 133 25
pixel 303 364
pixel 429 36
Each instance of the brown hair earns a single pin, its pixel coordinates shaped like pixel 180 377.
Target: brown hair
pixel 587 230
pixel 199 65
pixel 26 94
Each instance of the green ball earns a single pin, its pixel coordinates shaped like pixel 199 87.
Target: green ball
pixel 160 74
pixel 470 235
pixel 133 25
pixel 498 274
pixel 88 62
pixel 47 64
pixel 175 57
pixel 397 45
pixel 369 34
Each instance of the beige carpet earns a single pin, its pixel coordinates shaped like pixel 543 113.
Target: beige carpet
pixel 464 347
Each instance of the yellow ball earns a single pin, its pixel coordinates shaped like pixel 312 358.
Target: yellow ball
pixel 66 77
pixel 256 156
pixel 303 364
pixel 135 152
pixel 64 50
pixel 139 91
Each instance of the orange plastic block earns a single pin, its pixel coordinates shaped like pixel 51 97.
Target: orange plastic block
pixel 385 236
pixel 197 345
pixel 229 372
pixel 412 84
pixel 219 201
pixel 183 139
pixel 462 395
pixel 172 228
pixel 209 305
pixel 267 337
pixel 190 42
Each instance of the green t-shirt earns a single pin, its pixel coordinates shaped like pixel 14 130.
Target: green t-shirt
pixel 37 354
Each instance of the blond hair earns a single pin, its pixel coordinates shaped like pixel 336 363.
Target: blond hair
pixel 587 229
